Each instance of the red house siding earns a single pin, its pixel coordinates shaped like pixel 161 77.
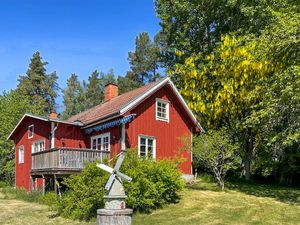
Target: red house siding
pixel 168 135
pixel 70 136
pixel 41 131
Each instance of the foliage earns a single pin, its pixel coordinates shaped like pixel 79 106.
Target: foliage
pixel 22 194
pixel 40 87
pixel 217 152
pixel 13 105
pixel 126 84
pixel 73 97
pixel 85 193
pixel 197 26
pixel 278 117
pixel 94 94
pixel 144 60
pixel 79 97
pixel 155 183
pixel 218 89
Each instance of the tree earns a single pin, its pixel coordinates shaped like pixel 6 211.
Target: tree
pixel 93 95
pixel 126 84
pixel 73 97
pixel 217 152
pixel 144 60
pixel 13 106
pixel 277 118
pixel 40 87
pixel 197 26
pixel 221 90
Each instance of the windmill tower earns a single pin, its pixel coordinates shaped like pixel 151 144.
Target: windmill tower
pixel 115 212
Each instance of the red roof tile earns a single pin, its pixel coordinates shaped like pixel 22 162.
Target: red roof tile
pixel 111 107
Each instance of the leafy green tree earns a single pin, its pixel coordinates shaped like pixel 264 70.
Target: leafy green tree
pixel 197 26
pixel 38 85
pixel 13 105
pixel 73 97
pixel 144 61
pixel 217 152
pixel 278 129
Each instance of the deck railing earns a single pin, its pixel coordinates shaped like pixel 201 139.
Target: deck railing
pixel 66 158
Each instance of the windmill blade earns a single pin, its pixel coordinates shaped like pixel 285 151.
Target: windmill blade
pixel 125 177
pixel 105 167
pixel 110 182
pixel 119 162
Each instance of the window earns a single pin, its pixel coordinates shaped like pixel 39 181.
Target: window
pixel 38 146
pixel 30 131
pixel 101 142
pixel 162 110
pixel 147 147
pixel 21 154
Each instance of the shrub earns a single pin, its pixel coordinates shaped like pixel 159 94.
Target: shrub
pixel 3 184
pixel 51 199
pixel 85 194
pixel 155 183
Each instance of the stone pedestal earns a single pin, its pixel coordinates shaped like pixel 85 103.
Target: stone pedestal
pixel 114 216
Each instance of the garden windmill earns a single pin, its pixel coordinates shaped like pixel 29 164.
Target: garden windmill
pixel 115 196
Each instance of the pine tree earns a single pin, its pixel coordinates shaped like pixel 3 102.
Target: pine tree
pixel 93 93
pixel 73 97
pixel 144 60
pixel 38 85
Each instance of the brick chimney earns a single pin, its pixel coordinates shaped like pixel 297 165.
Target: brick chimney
pixel 53 116
pixel 110 91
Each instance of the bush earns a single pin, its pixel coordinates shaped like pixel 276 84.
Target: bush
pixel 85 194
pixel 155 183
pixel 51 199
pixel 4 184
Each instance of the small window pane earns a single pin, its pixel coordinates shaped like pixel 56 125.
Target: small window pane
pixel 142 151
pixel 143 141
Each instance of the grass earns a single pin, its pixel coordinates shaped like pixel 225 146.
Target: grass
pixel 204 203
pixel 19 212
pixel 201 203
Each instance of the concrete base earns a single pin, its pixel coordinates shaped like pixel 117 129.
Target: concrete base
pixel 114 216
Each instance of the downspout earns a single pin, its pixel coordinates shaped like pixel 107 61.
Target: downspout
pixel 52 133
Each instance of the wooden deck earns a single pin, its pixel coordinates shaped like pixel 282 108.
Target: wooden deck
pixel 64 160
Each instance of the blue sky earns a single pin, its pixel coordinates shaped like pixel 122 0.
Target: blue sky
pixel 74 36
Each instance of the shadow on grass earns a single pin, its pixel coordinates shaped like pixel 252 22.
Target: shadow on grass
pixel 280 193
pixel 290 195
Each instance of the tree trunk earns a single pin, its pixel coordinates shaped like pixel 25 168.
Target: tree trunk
pixel 248 157
pixel 247 167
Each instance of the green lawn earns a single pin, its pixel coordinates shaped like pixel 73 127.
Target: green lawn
pixel 200 204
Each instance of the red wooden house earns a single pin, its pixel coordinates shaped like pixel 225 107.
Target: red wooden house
pixel 153 119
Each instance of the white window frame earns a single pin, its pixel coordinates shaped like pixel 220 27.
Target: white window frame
pixel 21 155
pixel 38 142
pixel 102 136
pixel 167 103
pixel 30 126
pixel 154 145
